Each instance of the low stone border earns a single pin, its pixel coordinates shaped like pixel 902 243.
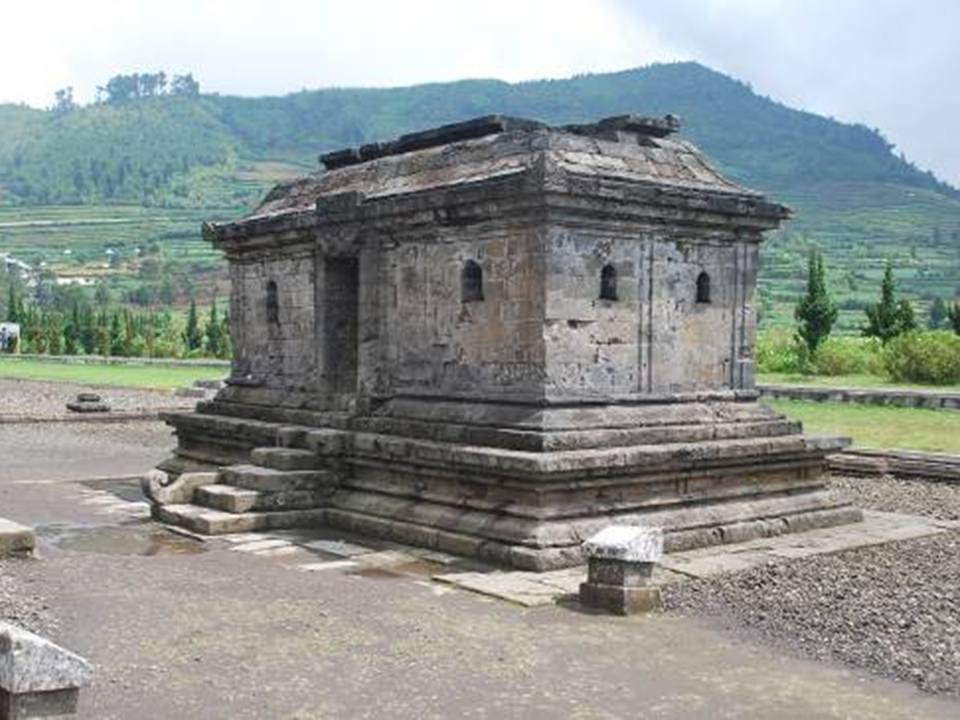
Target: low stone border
pixel 108 360
pixel 106 417
pixel 928 399
pixel 866 462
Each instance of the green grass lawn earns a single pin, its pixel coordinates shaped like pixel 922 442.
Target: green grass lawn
pixel 878 426
pixel 134 376
pixel 851 381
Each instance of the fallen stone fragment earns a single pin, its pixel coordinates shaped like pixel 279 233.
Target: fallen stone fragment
pixel 15 539
pixel 88 403
pixel 37 677
pixel 620 565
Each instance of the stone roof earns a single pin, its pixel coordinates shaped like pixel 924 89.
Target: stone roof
pixel 627 148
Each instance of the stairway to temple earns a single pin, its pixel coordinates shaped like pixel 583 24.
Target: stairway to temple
pixel 280 487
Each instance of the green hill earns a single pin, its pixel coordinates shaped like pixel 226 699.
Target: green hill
pixel 854 197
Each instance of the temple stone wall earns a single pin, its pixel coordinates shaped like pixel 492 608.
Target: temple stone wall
pixel 275 348
pixel 592 343
pixel 655 337
pixel 690 345
pixel 437 344
pixel 588 378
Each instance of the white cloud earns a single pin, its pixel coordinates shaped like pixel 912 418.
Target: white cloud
pixel 253 47
pixel 886 63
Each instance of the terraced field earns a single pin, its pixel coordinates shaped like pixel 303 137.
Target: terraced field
pixel 858 227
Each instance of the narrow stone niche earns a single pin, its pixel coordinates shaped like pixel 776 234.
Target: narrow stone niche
pixel 341 303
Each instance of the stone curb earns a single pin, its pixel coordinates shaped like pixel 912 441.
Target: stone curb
pixel 102 360
pixel 867 462
pixel 106 417
pixel 930 400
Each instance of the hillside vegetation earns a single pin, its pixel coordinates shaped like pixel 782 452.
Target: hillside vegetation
pixel 208 155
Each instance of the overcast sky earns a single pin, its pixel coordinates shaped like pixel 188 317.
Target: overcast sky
pixel 890 64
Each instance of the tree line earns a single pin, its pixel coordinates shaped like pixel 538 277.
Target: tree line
pixel 124 88
pixel 888 318
pixel 895 342
pixel 83 329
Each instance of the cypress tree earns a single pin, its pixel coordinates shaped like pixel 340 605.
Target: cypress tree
pixel 116 335
pixel 192 336
pixel 938 313
pixel 816 312
pixel 213 331
pixel 953 315
pixel 13 306
pixel 889 317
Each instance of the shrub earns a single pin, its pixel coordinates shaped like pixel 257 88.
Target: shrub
pixel 924 357
pixel 779 352
pixel 848 356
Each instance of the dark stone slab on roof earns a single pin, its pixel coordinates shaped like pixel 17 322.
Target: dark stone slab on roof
pixel 443 135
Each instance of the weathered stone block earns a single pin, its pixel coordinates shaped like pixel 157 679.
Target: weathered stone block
pixel 626 543
pixel 88 403
pixel 38 679
pixel 162 489
pixel 618 599
pixel 621 561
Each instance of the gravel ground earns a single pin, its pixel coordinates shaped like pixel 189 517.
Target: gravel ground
pixel 44 399
pixel 893 609
pixel 914 497
pixel 19 603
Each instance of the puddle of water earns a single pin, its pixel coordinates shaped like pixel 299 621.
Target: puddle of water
pixel 417 568
pixel 128 490
pixel 147 540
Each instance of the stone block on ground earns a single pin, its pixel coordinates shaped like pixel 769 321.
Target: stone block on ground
pixel 630 543
pixel 38 679
pixel 15 539
pixel 621 560
pixel 88 403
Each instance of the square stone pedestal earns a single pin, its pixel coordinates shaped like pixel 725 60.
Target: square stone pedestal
pixel 620 567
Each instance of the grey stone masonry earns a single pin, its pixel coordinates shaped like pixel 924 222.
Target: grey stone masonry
pixel 38 679
pixel 496 338
pixel 620 564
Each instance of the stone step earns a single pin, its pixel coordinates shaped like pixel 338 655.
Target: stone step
pixel 285 458
pixel 240 500
pixel 257 477
pixel 217 522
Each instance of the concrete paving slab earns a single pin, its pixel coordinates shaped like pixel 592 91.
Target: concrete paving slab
pixel 328 565
pixel 338 547
pixel 258 545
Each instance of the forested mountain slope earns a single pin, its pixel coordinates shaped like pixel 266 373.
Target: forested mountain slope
pixel 854 197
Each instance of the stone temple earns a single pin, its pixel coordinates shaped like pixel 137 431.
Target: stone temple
pixel 495 338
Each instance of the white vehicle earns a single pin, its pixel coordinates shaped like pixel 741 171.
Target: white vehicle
pixel 9 337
